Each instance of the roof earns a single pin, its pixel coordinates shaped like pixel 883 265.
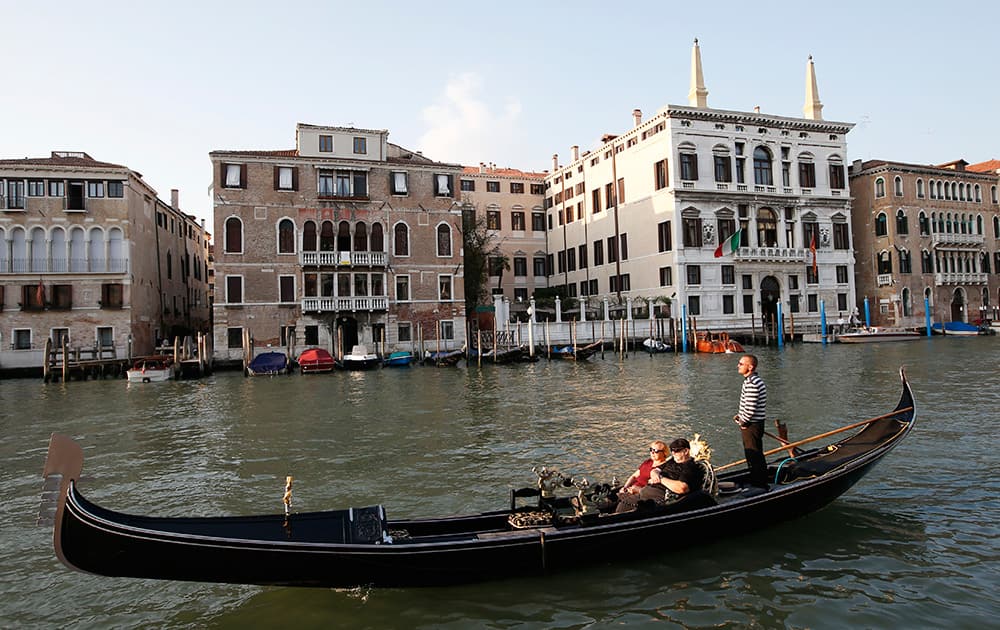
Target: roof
pixel 501 172
pixel 75 161
pixel 270 153
pixel 989 166
pixel 924 168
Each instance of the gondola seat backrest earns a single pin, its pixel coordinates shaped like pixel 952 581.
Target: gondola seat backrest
pixel 709 484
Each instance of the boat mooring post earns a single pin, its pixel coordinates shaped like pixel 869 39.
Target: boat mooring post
pixel 927 315
pixel 868 314
pixel 781 327
pixel 822 320
pixel 684 330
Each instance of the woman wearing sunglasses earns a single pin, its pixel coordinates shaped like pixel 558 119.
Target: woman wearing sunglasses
pixel 628 496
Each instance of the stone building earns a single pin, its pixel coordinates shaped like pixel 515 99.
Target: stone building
pixel 640 217
pixel 926 234
pixel 345 239
pixel 92 256
pixel 510 201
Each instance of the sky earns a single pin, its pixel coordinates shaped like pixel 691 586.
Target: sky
pixel 158 85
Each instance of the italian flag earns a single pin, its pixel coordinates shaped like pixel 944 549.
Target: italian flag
pixel 730 245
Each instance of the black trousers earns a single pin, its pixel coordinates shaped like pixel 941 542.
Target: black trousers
pixel 753 450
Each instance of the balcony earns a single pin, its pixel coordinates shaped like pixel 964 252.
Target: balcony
pixel 961 278
pixel 884 280
pixel 61 265
pixel 342 259
pixel 335 304
pixel 771 254
pixel 966 240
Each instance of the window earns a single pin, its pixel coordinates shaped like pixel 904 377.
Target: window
pixel 920 189
pixel 493 187
pixel 517 188
pixel 442 185
pixel 623 238
pixel 748 303
pixel 286 237
pixel 812 302
pixel 286 178
pixel 401 239
pixel 57 189
pixel 728 306
pixel 902 225
pixel 495 266
pixel 115 189
pixel 692 232
pixel 762 175
pixel 36 188
pixel 360 146
pixel 493 219
pixel 723 168
pixel 444 288
pixel 520 266
pixel 561 261
pixel 807 174
pixel 326 144
pixel 841 238
pixel 444 240
pixel 841 301
pixel 517 221
pixel 234 236
pixel 234 289
pixel 885 262
pixel 447 329
pixel 234 337
pixel 325 184
pixel 598 252
pixel 234 175
pixel 583 256
pixel 660 174
pixel 95 189
pixel 398 183
pixel 595 199
pixel 468 185
pixel 621 191
pixel 728 274
pixel 693 274
pixel 570 259
pixel 538 221
pixel 61 297
pixel 111 295
pixel 666 276
pixel 726 227
pixel 663 236
pixel 880 187
pixel 836 176
pixel 881 225
pixel 286 289
pixel 694 305
pixel 793 303
pixel 609 195
pixel 905 261
pixel 926 262
pixel 538 266
pixel 841 274
pixel 612 249
pixel 689 166
pixel 402 288
pixel 897 186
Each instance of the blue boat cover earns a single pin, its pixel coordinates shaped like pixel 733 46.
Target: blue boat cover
pixel 269 363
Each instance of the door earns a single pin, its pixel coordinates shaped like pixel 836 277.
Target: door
pixel 770 294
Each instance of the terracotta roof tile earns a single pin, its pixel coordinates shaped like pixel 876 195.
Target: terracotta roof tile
pixel 501 172
pixel 274 153
pixel 989 166
pixel 75 162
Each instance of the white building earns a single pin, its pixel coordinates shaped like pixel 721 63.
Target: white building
pixel 643 214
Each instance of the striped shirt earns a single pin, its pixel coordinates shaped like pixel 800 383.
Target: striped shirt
pixel 753 399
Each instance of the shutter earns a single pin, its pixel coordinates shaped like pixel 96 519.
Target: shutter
pixel 451 185
pixel 277 177
pixel 243 175
pixel 295 178
pixel 222 174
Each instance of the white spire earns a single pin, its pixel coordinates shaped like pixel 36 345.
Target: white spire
pixel 813 109
pixel 698 96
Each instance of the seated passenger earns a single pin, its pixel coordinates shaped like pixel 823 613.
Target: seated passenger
pixel 628 496
pixel 673 478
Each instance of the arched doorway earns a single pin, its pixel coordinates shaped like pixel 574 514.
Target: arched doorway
pixel 958 310
pixel 770 294
pixel 348 329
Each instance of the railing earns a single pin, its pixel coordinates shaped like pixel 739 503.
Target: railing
pixel 338 304
pixel 75 205
pixel 335 259
pixel 741 187
pixel 771 254
pixel 767 189
pixel 939 238
pixel 884 279
pixel 341 196
pixel 59 265
pixel 722 186
pixel 961 278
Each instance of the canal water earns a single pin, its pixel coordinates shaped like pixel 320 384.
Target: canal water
pixel 913 545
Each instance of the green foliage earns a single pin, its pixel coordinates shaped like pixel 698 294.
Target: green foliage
pixel 480 245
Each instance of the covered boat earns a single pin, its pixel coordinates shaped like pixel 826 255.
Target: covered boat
pixel 360 359
pixel 717 344
pixel 154 369
pixel 575 353
pixel 401 358
pixel 268 364
pixel 960 329
pixel 361 546
pixel 446 358
pixel 315 360
pixel 654 346
pixel 877 334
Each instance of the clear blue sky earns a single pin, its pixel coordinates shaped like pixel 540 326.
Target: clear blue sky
pixel 157 85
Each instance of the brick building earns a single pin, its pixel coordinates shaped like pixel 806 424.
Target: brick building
pixel 345 239
pixel 926 232
pixel 89 254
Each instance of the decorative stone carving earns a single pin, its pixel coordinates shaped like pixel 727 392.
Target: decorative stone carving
pixel 824 236
pixel 708 233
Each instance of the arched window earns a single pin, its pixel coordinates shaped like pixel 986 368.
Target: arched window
pixel 932 188
pixel 962 224
pixel 954 190
pixel 309 236
pixel 979 224
pixel 57 247
pixel 444 240
pixel 905 261
pixel 170 265
pixel 327 240
pixel 400 240
pixel 993 194
pixel 940 190
pixel 39 254
pixel 360 237
pixel 904 298
pixel 984 266
pixel 880 187
pixel 881 225
pixel 986 293
pixel 19 250
pixel 902 225
pixel 885 262
pixel 4 258
pixel 286 237
pixel 77 250
pixel 116 250
pixel 948 224
pixel 767 228
pixel 344 237
pixel 961 192
pixel 920 189
pixel 762 175
pixel 923 224
pixel 979 194
pixel 377 238
pixel 234 236
pixel 996 227
pixel 926 262
pixel 897 186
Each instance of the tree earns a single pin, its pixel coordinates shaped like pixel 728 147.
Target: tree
pixel 480 244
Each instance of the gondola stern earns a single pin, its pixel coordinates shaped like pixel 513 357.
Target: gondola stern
pixel 62 467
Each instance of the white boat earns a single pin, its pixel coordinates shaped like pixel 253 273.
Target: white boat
pixel 877 334
pixel 152 370
pixel 360 359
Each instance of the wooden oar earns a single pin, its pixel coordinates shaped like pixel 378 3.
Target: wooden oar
pixel 820 436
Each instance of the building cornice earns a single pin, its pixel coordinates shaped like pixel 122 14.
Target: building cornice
pixel 753 118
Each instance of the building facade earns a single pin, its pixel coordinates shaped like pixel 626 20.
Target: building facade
pixel 640 217
pixel 926 235
pixel 510 201
pixel 91 256
pixel 345 239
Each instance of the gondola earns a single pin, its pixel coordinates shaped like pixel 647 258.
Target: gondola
pixel 579 353
pixel 360 546
pixel 446 358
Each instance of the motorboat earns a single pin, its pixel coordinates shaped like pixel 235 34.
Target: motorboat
pixel 359 358
pixel 314 361
pixel 154 369
pixel 877 334
pixel 268 364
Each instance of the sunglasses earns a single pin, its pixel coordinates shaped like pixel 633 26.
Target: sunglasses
pixel 656 450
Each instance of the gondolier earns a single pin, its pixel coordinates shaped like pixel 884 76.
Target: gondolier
pixel 751 416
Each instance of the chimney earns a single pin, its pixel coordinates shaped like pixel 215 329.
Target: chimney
pixel 555 162
pixel 482 167
pixel 575 152
pixel 636 117
pixel 756 109
pixel 174 198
